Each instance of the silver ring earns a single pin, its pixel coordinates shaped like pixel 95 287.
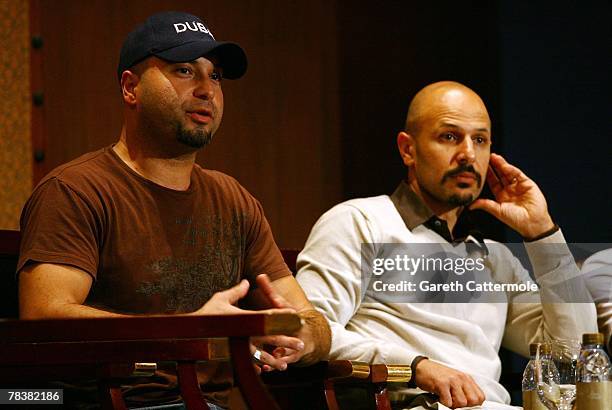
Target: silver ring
pixel 257 357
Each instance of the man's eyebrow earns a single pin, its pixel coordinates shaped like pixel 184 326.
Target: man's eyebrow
pixel 450 125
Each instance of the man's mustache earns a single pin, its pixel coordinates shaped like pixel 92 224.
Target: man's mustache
pixel 461 169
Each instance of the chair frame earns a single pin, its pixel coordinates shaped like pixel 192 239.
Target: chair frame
pixel 106 348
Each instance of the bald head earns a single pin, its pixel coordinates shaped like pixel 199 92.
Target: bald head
pixel 441 97
pixel 446 145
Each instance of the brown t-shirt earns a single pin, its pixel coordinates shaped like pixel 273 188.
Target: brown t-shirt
pixel 150 249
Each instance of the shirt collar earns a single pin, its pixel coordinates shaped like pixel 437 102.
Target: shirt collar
pixel 415 212
pixel 412 209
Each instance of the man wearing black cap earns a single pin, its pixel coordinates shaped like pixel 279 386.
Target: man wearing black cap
pixel 139 228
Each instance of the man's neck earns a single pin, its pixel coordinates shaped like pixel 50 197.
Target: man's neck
pixel 446 212
pixel 170 172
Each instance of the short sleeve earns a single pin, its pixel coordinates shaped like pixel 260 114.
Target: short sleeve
pixel 262 253
pixel 59 225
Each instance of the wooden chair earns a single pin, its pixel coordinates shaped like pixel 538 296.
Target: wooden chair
pixel 35 350
pixel 320 382
pixel 111 348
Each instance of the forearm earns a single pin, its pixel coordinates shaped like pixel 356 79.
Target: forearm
pixel 562 309
pixel 566 301
pixel 316 336
pixel 350 345
pixel 63 311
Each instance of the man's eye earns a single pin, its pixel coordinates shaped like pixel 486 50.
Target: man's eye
pixel 480 140
pixel 183 70
pixel 216 76
pixel 449 136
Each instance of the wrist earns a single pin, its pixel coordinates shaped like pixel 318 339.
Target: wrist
pixel 543 233
pixel 413 368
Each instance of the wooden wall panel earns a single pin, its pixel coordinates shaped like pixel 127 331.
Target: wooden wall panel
pixel 15 146
pixel 279 136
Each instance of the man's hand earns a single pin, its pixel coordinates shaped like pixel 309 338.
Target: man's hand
pixel 287 349
pixel 223 303
pixel 267 361
pixel 454 388
pixel 519 203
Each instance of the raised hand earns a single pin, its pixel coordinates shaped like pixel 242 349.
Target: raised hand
pixel 518 203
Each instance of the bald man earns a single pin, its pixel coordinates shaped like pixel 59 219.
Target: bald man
pixel 453 347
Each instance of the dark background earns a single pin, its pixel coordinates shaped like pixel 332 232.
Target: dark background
pixel 542 69
pixel 314 120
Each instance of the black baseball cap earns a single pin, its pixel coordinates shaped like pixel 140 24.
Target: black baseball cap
pixel 179 37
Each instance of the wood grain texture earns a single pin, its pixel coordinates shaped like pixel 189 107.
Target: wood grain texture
pixel 147 327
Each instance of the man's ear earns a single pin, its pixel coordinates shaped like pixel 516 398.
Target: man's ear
pixel 405 145
pixel 129 81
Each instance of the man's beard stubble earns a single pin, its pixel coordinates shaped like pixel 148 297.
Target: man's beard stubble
pixel 196 138
pixel 458 199
pixel 454 200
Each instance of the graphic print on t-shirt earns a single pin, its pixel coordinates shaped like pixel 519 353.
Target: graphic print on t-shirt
pixel 185 283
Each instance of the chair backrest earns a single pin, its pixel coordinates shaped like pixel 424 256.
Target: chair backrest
pixel 9 252
pixel 290 257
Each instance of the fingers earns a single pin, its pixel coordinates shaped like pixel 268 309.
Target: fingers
pixel 458 396
pixel 454 388
pixel 474 395
pixel 265 362
pixel 461 392
pixel 235 293
pixel 269 362
pixel 279 341
pixel 288 355
pixel 286 348
pixel 493 181
pixel 274 298
pixel 222 303
pixel 487 205
pixel 274 311
pixel 507 173
pixel 445 397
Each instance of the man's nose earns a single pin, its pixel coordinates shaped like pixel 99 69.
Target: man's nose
pixel 466 153
pixel 204 89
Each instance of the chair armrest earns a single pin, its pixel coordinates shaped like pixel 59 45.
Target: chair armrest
pixel 148 327
pixel 390 373
pixel 108 347
pixel 321 378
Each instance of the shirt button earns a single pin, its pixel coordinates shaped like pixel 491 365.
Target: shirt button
pixel 437 223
